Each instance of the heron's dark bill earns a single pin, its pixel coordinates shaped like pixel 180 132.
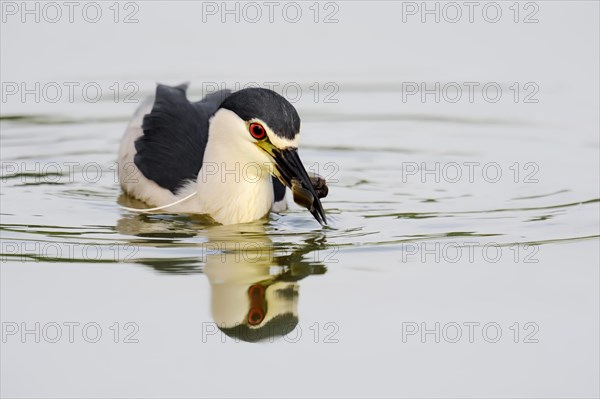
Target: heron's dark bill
pixel 293 175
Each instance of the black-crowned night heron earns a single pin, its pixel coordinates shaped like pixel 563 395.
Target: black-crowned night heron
pixel 229 155
pixel 254 287
pixel 249 300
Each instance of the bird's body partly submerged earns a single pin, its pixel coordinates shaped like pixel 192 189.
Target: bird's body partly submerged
pixel 228 155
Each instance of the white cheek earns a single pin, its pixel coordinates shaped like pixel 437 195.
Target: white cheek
pixel 225 124
pixel 230 135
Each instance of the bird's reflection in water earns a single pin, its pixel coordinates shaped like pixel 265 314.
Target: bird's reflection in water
pixel 254 282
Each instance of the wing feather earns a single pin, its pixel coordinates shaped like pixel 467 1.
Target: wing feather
pixel 171 150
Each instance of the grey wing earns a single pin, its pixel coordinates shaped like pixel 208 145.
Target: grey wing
pixel 171 150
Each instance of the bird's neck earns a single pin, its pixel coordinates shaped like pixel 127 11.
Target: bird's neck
pixel 232 187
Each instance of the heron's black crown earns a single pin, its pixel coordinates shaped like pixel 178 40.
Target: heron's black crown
pixel 268 106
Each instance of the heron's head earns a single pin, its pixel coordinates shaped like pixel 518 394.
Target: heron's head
pixel 266 128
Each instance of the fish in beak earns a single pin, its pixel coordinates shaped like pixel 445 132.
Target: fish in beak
pixel 290 171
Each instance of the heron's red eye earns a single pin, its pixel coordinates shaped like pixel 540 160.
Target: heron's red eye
pixel 255 317
pixel 257 131
pixel 256 294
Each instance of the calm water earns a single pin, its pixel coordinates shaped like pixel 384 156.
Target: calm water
pixel 478 217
